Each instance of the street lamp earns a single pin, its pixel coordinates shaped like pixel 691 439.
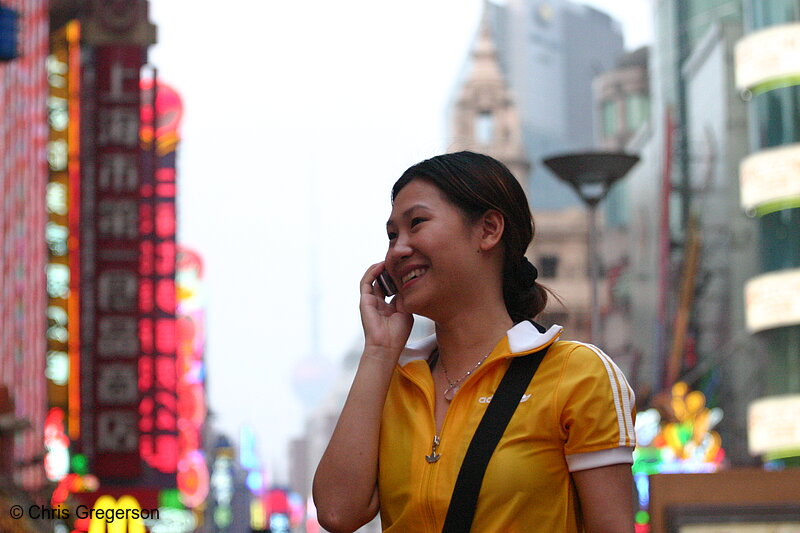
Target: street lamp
pixel 591 174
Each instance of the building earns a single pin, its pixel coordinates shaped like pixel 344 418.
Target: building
pixel 23 255
pixel 621 100
pixel 485 118
pixel 549 51
pixel 517 107
pixel 621 110
pixel 679 248
pixel 768 74
pixel 692 254
pixel 125 373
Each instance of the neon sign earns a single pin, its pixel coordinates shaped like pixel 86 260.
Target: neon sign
pixel 56 443
pixel 222 485
pixel 61 231
pixel 681 441
pixel 158 380
pixel 127 508
pixel 193 476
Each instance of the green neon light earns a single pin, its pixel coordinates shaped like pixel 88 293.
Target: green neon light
pixel 79 464
pixel 642 517
pixel 790 202
pixel 169 498
pixel 776 83
pixel 782 454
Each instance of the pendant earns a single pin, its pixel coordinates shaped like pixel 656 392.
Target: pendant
pixel 450 392
pixel 433 457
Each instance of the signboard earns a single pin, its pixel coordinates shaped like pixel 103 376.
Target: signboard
pixel 110 510
pixel 753 527
pixel 772 300
pixel 773 425
pixel 193 475
pixel 110 515
pixel 768 57
pixel 112 197
pixel 158 379
pixel 61 231
pixel 770 176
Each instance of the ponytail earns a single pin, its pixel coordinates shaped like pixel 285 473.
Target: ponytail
pixel 523 296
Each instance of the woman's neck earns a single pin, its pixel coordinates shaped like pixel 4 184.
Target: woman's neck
pixel 469 335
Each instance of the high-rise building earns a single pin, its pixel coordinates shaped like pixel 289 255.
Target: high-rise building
pixel 690 248
pixel 23 252
pixel 527 93
pixel 549 52
pixel 768 73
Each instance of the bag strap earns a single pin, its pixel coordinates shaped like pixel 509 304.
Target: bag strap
pixel 491 427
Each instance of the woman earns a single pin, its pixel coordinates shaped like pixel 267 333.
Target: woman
pixel 458 231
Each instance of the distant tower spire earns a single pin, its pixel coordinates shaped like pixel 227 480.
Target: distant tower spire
pixel 485 118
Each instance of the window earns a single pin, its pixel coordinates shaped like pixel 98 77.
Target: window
pixel 484 127
pixel 548 266
pixel 636 111
pixel 609 118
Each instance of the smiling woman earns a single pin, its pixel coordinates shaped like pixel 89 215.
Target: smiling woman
pixel 458 233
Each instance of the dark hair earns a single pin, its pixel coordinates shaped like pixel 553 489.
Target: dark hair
pixel 476 183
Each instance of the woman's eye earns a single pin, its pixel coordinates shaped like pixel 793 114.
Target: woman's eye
pixel 391 235
pixel 416 220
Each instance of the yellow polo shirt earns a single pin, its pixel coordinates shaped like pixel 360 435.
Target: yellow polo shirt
pixel 577 413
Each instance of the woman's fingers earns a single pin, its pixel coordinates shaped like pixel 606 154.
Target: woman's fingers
pixel 368 285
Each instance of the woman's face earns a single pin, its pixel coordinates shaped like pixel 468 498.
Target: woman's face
pixel 432 248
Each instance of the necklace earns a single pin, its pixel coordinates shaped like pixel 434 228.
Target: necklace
pixel 452 389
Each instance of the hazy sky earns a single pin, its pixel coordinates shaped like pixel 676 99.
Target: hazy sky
pixel 298 118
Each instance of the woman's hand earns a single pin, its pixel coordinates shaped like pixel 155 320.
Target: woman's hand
pixel 386 325
pixel 345 485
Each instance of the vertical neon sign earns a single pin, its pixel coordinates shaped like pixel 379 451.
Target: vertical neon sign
pixel 57 230
pixel 193 476
pixel 158 380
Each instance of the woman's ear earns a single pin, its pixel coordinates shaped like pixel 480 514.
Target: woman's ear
pixel 491 226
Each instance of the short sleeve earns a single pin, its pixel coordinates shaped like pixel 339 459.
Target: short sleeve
pixel 596 410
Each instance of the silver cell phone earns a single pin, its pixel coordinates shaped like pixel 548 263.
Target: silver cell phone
pixel 387 283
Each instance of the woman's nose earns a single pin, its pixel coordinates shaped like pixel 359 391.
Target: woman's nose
pixel 399 250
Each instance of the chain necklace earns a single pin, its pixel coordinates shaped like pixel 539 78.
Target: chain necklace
pixel 452 389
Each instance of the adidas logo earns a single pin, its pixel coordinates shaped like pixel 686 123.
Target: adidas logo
pixel 488 399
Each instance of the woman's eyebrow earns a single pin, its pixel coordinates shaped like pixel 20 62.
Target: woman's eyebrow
pixel 405 213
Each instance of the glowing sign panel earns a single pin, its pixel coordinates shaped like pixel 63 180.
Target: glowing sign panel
pixel 767 56
pixel 774 425
pixel 773 300
pixel 108 506
pixel 770 175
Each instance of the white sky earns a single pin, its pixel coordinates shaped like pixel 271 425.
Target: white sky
pixel 298 118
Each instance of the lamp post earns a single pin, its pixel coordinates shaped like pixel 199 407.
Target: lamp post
pixel 591 174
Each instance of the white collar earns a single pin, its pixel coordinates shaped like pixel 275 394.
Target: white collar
pixel 523 337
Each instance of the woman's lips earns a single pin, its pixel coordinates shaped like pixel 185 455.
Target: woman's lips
pixel 413 274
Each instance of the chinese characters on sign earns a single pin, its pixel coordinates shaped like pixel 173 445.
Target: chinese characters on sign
pixel 158 379
pixel 115 231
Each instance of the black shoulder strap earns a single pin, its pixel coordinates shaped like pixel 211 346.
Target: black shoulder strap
pixel 487 435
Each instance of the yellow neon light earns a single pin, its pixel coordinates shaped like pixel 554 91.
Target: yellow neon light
pixel 107 504
pixel 73 310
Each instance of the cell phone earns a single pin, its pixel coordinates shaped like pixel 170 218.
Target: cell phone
pixel 387 283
